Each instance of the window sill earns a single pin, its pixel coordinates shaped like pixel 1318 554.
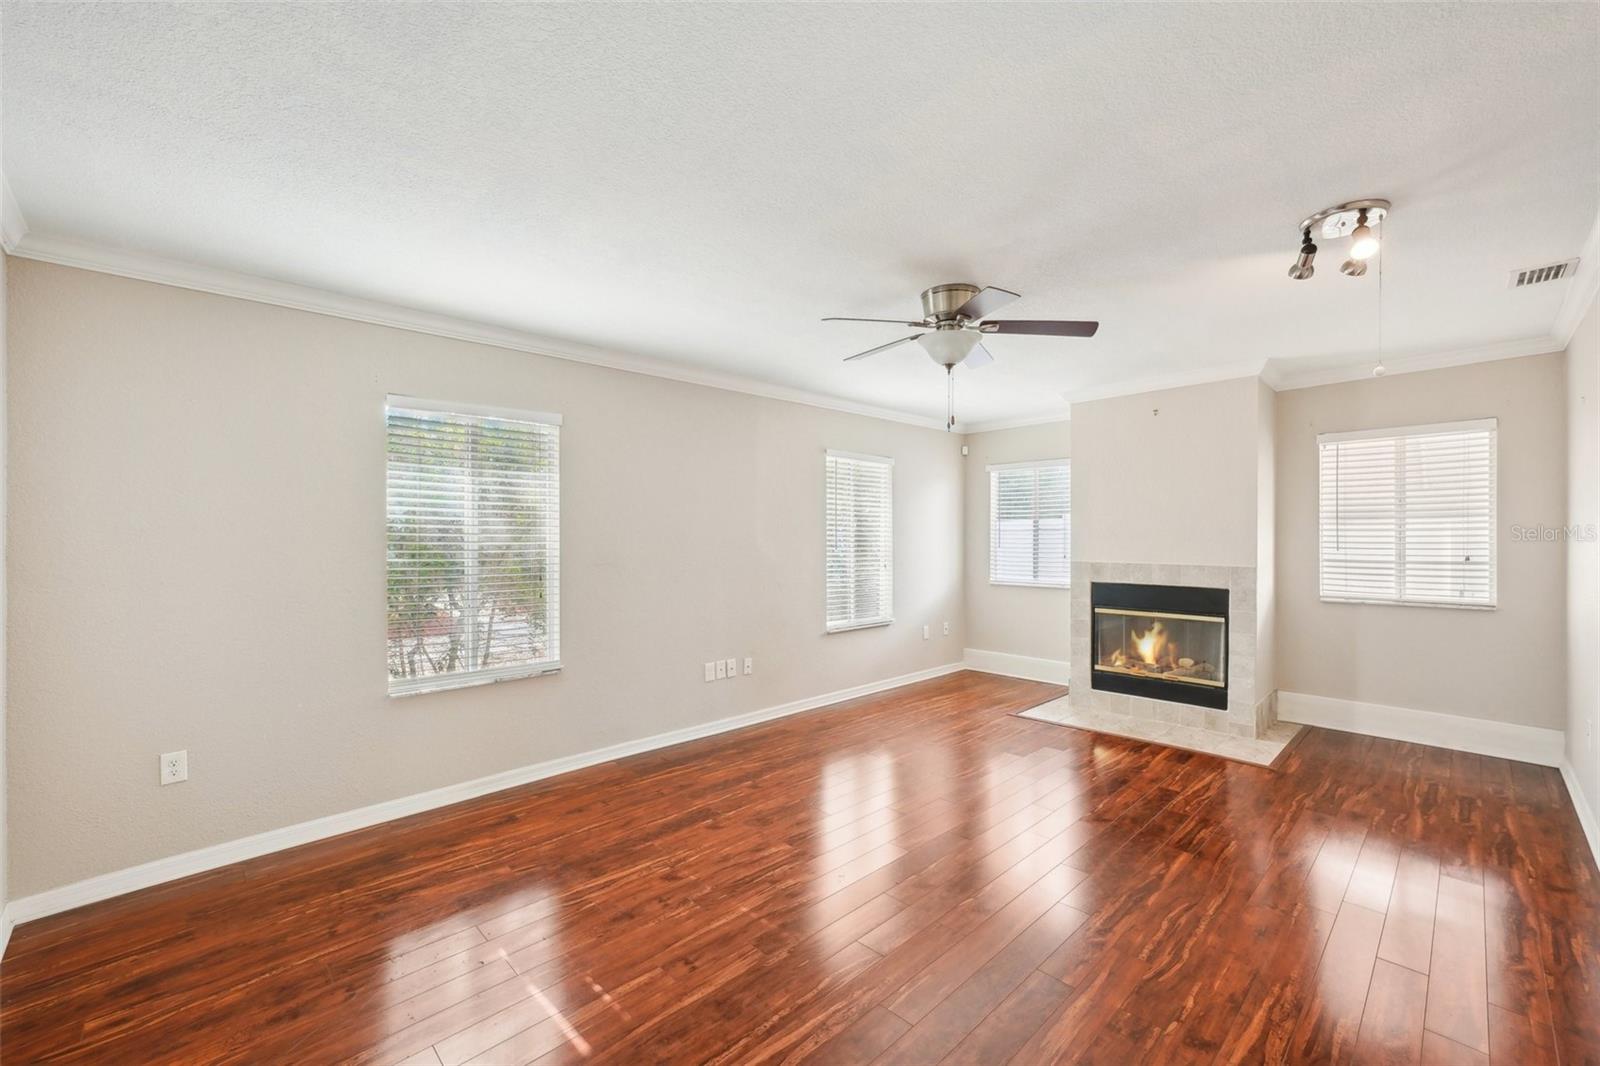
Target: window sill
pixel 1415 603
pixel 424 686
pixel 845 627
pixel 1029 584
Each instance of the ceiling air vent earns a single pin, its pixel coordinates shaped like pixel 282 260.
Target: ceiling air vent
pixel 1521 279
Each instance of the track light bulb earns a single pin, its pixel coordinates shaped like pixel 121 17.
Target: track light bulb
pixel 1302 268
pixel 1363 242
pixel 1353 268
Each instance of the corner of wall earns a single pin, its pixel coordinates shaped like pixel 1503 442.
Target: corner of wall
pixel 5 922
pixel 1581 767
pixel 12 228
pixel 1266 540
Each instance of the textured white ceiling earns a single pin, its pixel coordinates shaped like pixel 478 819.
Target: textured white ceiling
pixel 701 183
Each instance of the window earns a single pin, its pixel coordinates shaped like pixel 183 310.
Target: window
pixel 473 545
pixel 1408 515
pixel 860 536
pixel 1030 509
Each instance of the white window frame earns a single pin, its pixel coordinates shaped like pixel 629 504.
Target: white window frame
pixel 1399 433
pixel 1031 464
pixel 887 617
pixel 512 671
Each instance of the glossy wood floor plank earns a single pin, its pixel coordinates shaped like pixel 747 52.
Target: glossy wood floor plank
pixel 913 877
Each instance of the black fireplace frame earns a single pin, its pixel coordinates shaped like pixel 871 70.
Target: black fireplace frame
pixel 1177 599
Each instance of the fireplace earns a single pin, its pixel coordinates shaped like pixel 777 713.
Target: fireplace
pixel 1165 642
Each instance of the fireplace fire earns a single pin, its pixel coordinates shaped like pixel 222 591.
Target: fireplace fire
pixel 1166 642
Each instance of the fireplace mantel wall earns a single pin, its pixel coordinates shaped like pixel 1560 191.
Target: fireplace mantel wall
pixel 1177 488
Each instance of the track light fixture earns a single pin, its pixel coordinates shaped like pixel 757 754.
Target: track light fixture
pixel 1355 220
pixel 1362 242
pixel 1302 268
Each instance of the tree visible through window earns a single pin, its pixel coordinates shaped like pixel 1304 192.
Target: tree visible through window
pixel 473 545
pixel 1030 523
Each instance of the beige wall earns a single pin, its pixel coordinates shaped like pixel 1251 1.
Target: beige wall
pixel 1506 664
pixel 1006 618
pixel 198 539
pixel 1168 477
pixel 5 614
pixel 1583 555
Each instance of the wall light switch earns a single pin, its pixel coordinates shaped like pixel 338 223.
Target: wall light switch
pixel 174 767
pixel 733 667
pixel 711 671
pixel 924 632
pixel 722 669
pixel 749 666
pixel 947 629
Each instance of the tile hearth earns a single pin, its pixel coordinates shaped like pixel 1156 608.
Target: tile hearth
pixel 1261 750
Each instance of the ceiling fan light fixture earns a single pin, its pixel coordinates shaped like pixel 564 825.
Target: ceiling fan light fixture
pixel 948 346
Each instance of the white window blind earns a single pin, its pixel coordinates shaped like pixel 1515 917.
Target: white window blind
pixel 860 540
pixel 474 531
pixel 1030 510
pixel 1408 515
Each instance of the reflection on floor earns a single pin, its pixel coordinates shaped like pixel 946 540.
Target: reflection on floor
pixel 915 877
pixel 1262 751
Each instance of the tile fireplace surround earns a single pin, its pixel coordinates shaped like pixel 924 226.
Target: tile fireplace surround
pixel 1248 714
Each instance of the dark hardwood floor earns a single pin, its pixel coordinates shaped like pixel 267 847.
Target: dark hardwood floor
pixel 915 877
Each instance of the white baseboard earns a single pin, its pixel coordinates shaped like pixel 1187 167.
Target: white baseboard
pixel 1580 803
pixel 116 883
pixel 1480 736
pixel 5 929
pixel 1023 666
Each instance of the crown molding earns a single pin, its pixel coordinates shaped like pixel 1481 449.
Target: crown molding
pixel 19 241
pixel 1014 423
pixel 1410 362
pixel 13 226
pixel 1583 290
pixel 141 267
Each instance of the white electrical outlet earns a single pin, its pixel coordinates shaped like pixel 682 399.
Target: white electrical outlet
pixel 722 669
pixel 711 671
pixel 174 767
pixel 749 666
pixel 924 632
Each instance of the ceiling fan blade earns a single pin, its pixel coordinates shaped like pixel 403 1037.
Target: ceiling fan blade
pixel 979 356
pixel 1042 327
pixel 887 321
pixel 986 303
pixel 881 347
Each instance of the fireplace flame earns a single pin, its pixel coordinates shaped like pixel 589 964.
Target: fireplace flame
pixel 1151 643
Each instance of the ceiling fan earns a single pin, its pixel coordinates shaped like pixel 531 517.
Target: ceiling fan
pixel 955 319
